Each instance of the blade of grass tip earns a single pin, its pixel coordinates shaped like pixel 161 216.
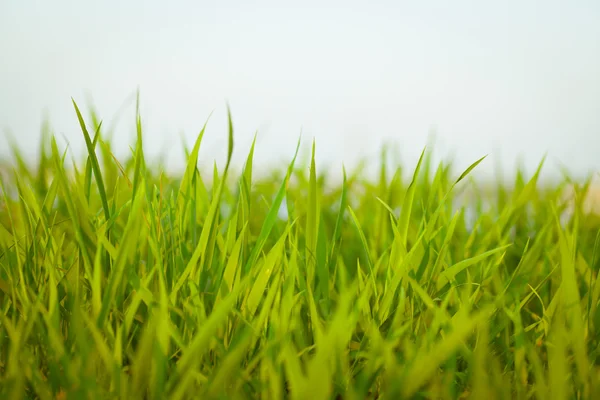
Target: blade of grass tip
pixel 246 186
pixel 526 194
pixel 449 274
pixel 94 161
pixel 337 231
pixel 193 268
pixel 230 136
pixel 431 223
pixel 139 151
pixel 42 170
pixel 271 217
pixel 18 156
pixel 468 170
pixel 88 165
pixel 407 204
pixel 388 208
pixel 245 201
pixel 186 187
pixel 312 221
pixel 137 101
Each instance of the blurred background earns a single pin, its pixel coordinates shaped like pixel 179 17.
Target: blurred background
pixel 515 80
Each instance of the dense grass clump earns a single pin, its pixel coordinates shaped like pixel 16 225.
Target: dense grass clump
pixel 120 281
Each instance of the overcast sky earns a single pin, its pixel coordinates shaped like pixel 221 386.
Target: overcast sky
pixel 510 79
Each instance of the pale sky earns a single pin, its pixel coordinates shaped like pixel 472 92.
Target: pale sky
pixel 511 79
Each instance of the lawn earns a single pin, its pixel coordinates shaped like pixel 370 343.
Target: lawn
pixel 118 280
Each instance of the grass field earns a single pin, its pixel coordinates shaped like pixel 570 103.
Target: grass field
pixel 120 281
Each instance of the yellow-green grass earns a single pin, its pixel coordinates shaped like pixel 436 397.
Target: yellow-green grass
pixel 118 280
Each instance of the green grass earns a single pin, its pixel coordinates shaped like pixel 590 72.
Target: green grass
pixel 118 280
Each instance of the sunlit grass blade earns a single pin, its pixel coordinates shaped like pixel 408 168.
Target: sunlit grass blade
pixel 128 279
pixel 449 273
pixel 271 217
pixel 94 162
pixel 407 204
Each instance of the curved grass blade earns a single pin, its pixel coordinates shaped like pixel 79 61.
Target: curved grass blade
pixel 94 162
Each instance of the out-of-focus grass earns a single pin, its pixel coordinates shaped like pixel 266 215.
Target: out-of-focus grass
pixel 120 281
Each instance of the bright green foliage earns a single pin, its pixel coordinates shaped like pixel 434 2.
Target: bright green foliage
pixel 119 281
